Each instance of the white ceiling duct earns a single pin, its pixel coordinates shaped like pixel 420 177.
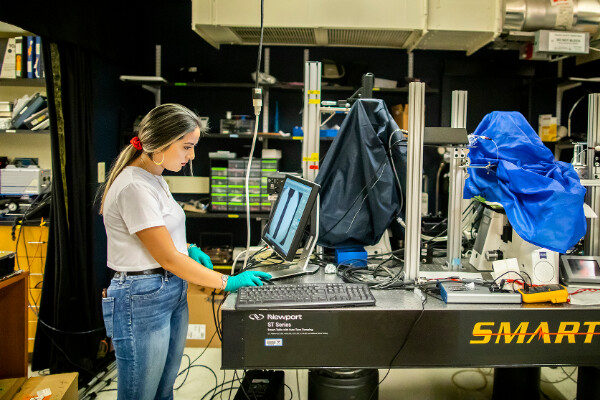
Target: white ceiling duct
pixel 465 25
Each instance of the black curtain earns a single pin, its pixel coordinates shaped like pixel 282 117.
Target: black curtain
pixel 76 37
pixel 70 334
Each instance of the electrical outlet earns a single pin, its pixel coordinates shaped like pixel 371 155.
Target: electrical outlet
pixel 101 172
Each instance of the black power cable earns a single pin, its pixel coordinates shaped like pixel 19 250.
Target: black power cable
pixel 410 330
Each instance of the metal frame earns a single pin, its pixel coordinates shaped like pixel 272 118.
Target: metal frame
pixel 156 89
pixel 265 107
pixel 592 238
pixel 414 174
pixel 457 182
pixel 311 120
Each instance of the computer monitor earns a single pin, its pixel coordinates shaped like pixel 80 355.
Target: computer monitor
pixel 296 207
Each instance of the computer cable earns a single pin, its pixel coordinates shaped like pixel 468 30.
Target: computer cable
pixel 291 392
pixel 408 334
pixel 220 392
pixel 249 258
pixel 257 103
pixel 99 382
pixel 360 193
pixel 252 259
pixel 375 279
pixel 430 229
pixel 491 284
pixel 473 139
pixel 439 238
pixel 569 375
pixel 216 319
pixel 186 370
pixel 200 366
pixel 236 379
pixel 191 363
pixel 475 389
pixel 240 380
pixel 365 198
pixel 382 267
pixel 391 157
pixel 46 327
pixel 214 389
pixel 270 260
pixel 586 94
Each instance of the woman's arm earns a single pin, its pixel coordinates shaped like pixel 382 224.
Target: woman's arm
pixel 159 243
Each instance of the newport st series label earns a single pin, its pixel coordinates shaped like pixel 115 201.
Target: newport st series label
pixel 279 325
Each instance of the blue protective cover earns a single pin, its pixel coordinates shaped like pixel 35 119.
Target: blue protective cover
pixel 543 198
pixel 359 195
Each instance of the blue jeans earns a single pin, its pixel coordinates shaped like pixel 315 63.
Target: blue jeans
pixel 147 318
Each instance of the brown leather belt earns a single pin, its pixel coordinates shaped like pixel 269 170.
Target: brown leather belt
pixel 144 272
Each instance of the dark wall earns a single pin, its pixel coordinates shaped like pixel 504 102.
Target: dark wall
pixel 123 35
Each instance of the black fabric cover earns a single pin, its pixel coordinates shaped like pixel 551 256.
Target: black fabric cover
pixel 70 327
pixel 359 194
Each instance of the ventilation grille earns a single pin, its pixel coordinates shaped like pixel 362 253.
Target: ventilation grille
pixel 320 37
pixel 454 40
pixel 276 35
pixel 367 38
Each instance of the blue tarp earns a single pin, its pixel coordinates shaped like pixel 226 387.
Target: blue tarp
pixel 359 193
pixel 542 198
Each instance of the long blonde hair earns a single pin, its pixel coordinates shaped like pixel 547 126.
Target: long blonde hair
pixel 159 129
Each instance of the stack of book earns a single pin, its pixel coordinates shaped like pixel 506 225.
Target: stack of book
pixel 21 57
pixel 6 108
pixel 31 113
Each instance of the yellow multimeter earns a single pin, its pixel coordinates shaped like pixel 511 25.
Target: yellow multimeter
pixel 544 293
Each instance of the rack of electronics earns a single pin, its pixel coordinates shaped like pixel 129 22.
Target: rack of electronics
pixel 227 183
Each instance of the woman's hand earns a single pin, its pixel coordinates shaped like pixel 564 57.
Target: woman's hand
pixel 199 256
pixel 246 278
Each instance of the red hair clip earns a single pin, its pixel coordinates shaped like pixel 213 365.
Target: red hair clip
pixel 135 142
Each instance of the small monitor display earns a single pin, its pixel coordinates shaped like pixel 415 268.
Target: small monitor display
pixel 584 268
pixel 289 217
pixel 580 269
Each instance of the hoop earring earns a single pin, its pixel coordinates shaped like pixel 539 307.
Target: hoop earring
pixel 161 161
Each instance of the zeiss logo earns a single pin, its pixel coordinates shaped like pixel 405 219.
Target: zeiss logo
pixel 256 317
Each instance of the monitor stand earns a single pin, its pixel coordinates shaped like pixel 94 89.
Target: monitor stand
pixel 279 271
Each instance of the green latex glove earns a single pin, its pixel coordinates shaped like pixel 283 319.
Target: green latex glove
pixel 199 256
pixel 246 278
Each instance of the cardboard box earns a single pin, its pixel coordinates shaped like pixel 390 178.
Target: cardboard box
pixel 400 114
pixel 547 128
pixel 8 387
pixel 202 326
pixel 61 386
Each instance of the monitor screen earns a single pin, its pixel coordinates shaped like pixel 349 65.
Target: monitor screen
pixel 584 268
pixel 289 217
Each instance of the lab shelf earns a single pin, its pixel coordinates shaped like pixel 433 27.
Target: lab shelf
pixel 225 214
pixel 281 86
pixel 28 131
pixel 248 136
pixel 41 82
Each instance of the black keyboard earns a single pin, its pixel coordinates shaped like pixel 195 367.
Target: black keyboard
pixel 304 295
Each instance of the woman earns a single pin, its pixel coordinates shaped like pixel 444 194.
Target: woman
pixel 145 307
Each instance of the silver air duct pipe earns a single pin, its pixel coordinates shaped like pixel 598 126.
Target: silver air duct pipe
pixel 533 15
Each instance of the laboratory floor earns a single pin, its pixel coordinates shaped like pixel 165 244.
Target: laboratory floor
pixel 414 384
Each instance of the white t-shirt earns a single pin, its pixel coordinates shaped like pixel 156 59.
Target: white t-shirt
pixel 137 200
